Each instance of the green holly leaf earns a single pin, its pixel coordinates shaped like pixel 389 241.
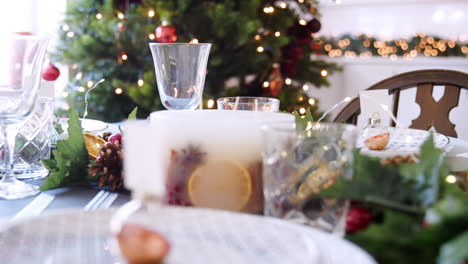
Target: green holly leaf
pixel 454 251
pixel 132 115
pixel 407 188
pixel 425 175
pixel 59 128
pixel 71 158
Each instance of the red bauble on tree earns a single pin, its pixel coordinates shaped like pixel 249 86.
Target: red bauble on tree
pixel 275 81
pixel 165 34
pixel 302 31
pixel 50 72
pixel 291 55
pixel 314 25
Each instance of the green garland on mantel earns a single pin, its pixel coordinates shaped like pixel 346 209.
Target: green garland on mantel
pixel 363 45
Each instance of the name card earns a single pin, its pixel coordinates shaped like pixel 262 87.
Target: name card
pixel 376 101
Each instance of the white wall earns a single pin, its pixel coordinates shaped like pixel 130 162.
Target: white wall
pixel 41 17
pixel 391 19
pixel 396 18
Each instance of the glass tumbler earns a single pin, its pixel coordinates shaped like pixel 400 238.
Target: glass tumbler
pixel 20 74
pixel 262 104
pixel 180 73
pixel 33 141
pixel 298 165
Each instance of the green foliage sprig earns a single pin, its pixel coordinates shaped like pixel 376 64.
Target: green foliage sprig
pixel 408 188
pixel 70 163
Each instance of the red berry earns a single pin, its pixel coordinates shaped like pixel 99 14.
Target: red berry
pixel 425 224
pixel 359 218
pixel 115 138
pixel 50 73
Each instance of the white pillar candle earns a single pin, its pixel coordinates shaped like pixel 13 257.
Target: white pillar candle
pixel 205 158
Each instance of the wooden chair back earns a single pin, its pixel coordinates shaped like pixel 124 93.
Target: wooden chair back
pixel 433 113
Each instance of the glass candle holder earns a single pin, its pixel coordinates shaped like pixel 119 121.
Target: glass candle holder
pixel 205 158
pixel 262 104
pixel 297 165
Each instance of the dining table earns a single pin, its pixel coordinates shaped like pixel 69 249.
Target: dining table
pixel 80 198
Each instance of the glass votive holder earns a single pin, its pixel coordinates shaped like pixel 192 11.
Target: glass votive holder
pixel 298 165
pixel 261 104
pixel 33 141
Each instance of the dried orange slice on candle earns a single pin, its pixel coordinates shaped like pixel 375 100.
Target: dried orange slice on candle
pixel 223 185
pixel 93 145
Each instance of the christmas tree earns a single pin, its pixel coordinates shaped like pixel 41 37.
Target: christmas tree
pixel 260 48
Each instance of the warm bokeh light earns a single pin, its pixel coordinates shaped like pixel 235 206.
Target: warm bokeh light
pixel 268 10
pixel 118 91
pixel 451 179
pixel 210 103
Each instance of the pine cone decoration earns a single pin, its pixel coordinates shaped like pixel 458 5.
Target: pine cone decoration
pixel 106 135
pixel 108 167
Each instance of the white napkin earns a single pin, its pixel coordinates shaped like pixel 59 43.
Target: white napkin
pixel 375 101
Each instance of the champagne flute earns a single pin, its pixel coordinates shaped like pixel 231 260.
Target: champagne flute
pixel 21 62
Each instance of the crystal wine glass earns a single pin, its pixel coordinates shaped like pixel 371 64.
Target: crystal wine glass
pixel 180 72
pixel 20 72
